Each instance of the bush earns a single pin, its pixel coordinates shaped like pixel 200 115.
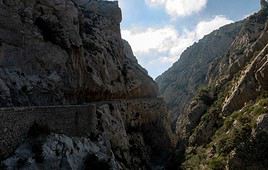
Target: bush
pixel 217 163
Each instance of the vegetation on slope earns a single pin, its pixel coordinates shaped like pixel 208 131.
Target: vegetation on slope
pixel 237 143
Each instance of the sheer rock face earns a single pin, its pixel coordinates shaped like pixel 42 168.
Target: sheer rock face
pixel 62 52
pixel 66 52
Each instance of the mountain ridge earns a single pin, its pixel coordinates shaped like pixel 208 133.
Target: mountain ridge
pixel 219 118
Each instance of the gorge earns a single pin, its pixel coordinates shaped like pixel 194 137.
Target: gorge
pixel 73 95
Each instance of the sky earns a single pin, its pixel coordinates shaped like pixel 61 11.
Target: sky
pixel 160 30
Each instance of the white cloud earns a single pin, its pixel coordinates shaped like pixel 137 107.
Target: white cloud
pixel 206 27
pixel 144 40
pixel 163 46
pixel 177 8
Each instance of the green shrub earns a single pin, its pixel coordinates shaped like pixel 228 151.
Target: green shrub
pixel 217 163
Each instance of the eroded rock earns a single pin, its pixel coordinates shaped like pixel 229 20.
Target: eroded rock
pixel 62 152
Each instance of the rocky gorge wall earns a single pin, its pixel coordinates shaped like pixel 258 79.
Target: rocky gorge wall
pixel 66 52
pixel 123 123
pixel 222 122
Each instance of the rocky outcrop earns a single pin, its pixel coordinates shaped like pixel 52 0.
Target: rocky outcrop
pixel 250 85
pixel 61 151
pixel 235 84
pixel 133 134
pixel 257 150
pixel 66 52
pixel 190 119
pixel 264 4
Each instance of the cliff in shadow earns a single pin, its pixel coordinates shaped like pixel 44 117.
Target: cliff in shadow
pixel 66 52
pixel 70 52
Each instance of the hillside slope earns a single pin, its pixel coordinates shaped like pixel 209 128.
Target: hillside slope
pixel 222 122
pixel 180 83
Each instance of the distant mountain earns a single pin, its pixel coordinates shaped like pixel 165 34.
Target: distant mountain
pixel 180 83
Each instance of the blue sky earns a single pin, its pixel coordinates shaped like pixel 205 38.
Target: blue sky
pixel 160 30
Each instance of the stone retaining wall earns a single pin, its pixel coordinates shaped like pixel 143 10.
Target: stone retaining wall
pixel 70 120
pixel 81 120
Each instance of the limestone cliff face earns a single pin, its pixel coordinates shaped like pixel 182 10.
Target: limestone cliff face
pixel 70 52
pixel 238 80
pixel 219 119
pixel 66 52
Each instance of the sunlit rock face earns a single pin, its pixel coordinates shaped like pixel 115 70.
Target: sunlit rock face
pixel 217 92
